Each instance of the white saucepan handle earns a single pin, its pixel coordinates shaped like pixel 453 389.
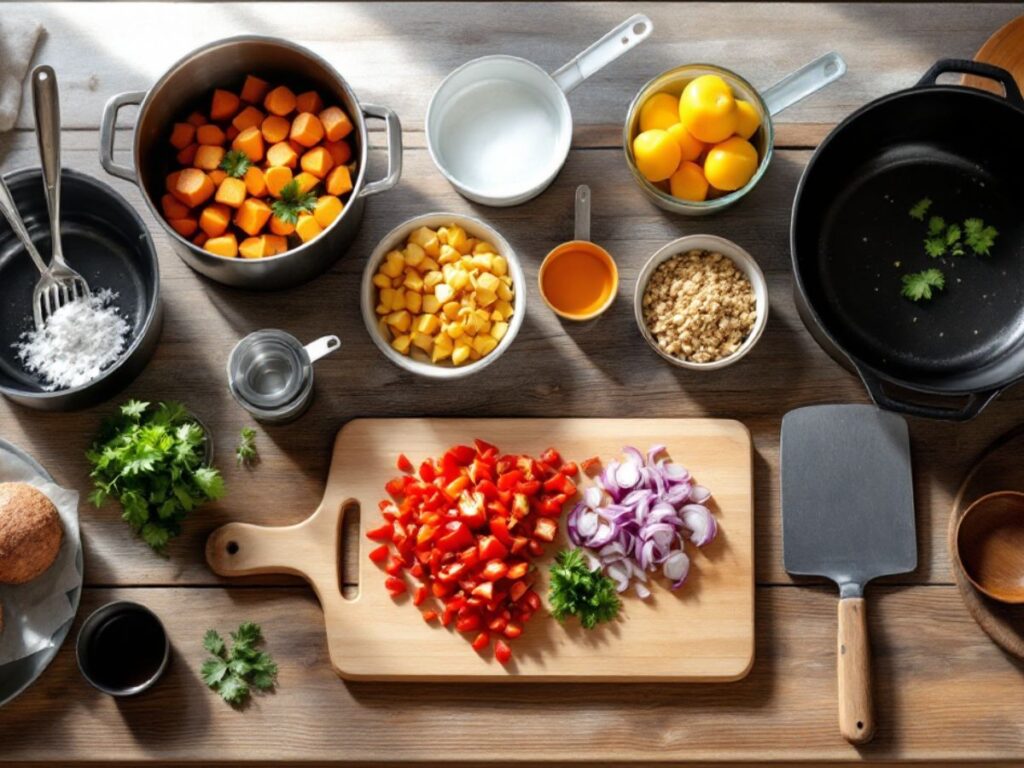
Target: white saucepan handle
pixel 624 37
pixel 802 83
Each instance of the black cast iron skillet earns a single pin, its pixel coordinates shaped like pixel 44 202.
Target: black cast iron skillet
pixel 852 240
pixel 105 240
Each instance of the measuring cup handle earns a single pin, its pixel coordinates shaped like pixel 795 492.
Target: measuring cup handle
pixel 624 37
pixel 582 220
pixel 802 83
pixel 322 347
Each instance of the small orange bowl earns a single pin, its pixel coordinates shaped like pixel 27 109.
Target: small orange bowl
pixel 578 280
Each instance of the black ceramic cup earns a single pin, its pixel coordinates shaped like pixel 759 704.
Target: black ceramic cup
pixel 122 648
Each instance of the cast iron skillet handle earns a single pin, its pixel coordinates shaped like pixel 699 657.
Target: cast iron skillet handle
pixel 108 130
pixel 394 139
pixel 976 402
pixel 977 68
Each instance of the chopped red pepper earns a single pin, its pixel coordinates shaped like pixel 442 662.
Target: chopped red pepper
pixel 395 586
pixel 379 554
pixel 502 652
pixel 403 464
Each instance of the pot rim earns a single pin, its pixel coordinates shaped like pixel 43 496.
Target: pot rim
pixel 154 306
pixel 358 119
pixel 799 285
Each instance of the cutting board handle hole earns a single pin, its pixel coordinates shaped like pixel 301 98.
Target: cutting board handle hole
pixel 232 547
pixel 350 546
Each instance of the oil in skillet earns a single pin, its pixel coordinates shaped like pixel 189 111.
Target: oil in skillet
pixel 126 650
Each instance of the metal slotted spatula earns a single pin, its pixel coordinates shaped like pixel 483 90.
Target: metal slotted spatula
pixel 58 284
pixel 848 515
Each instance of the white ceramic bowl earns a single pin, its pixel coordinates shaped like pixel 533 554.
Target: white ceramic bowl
pixel 396 239
pixel 744 263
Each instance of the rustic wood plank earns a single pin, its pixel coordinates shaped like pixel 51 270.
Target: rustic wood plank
pixel 396 54
pixel 552 369
pixel 943 691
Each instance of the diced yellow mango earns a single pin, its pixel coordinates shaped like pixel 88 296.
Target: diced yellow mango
pixel 499 266
pixel 400 321
pixel 442 235
pixel 505 308
pixel 414 255
pixel 451 310
pixel 447 255
pixel 423 341
pixel 382 281
pixel 387 297
pixel 431 304
pixel 413 301
pixel 484 344
pixel 443 292
pixel 455 330
pixel 482 246
pixel 432 278
pixel 426 239
pixel 484 261
pixel 413 281
pixel 498 330
pixel 428 265
pixel 401 343
pixel 504 292
pixel 398 299
pixel 460 280
pixel 458 239
pixel 428 324
pixel 485 297
pixel 460 355
pixel 393 264
pixel 488 282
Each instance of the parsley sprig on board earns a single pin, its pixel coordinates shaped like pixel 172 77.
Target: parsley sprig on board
pixel 578 591
pixel 234 671
pixel 151 461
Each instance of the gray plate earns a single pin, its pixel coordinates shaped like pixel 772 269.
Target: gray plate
pixel 19 675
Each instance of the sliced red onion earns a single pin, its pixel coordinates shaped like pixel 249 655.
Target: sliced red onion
pixel 676 568
pixel 627 476
pixel 700 521
pixel 641 591
pixel 592 497
pixel 699 494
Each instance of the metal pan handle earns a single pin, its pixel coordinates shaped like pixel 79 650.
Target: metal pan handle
pixel 624 37
pixel 974 403
pixel 108 130
pixel 978 69
pixel 798 85
pixel 394 139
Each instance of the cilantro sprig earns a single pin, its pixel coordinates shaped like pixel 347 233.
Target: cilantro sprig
pixel 919 285
pixel 920 208
pixel 979 237
pixel 235 163
pixel 576 590
pixel 234 671
pixel 246 452
pixel 151 461
pixel 293 202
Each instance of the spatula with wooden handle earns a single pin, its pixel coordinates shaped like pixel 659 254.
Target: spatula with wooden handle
pixel 848 514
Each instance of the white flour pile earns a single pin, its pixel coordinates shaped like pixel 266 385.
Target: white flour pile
pixel 75 343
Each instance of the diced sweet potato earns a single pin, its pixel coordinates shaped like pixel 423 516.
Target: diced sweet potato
pixel 250 141
pixel 251 248
pixel 182 135
pixel 255 184
pixel 336 123
pixel 196 119
pixel 317 161
pixel 223 105
pixel 171 183
pixel 275 128
pixel 339 181
pixel 281 227
pixel 274 244
pixel 184 227
pixel 200 239
pixel 208 157
pixel 230 132
pixel 252 216
pixel 225 245
pixel 231 192
pixel 306 182
pixel 328 208
pixel 340 151
pixel 307 228
pixel 309 101
pixel 307 130
pixel 247 118
pixel 214 219
pixel 217 176
pixel 210 134
pixel 277 177
pixel 188 155
pixel 192 187
pixel 282 154
pixel 254 90
pixel 172 207
pixel 280 101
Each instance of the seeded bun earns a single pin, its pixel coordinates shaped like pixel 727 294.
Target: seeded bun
pixel 30 533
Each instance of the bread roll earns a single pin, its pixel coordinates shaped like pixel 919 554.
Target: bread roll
pixel 30 533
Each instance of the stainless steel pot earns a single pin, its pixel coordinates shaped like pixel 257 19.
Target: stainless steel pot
pixel 186 85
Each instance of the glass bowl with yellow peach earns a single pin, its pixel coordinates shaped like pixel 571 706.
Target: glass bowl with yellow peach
pixel 697 138
pixel 442 295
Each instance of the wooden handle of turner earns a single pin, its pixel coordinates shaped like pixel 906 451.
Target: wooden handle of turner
pixel 856 712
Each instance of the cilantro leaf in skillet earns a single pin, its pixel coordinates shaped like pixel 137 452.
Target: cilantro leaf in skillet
pixel 234 671
pixel 293 202
pixel 235 163
pixel 920 208
pixel 979 237
pixel 919 285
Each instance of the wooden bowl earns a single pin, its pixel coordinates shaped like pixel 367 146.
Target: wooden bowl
pixel 990 545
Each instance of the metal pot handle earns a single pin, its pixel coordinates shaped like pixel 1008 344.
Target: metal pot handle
pixel 798 85
pixel 975 403
pixel 394 140
pixel 108 126
pixel 978 69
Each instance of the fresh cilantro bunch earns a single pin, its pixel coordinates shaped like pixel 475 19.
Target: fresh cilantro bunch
pixel 151 461
pixel 246 452
pixel 578 591
pixel 919 285
pixel 233 672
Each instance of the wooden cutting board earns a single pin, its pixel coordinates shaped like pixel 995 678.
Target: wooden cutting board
pixel 703 632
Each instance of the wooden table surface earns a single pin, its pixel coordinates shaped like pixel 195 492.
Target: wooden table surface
pixel 944 691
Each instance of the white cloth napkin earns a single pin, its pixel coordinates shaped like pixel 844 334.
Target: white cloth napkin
pixel 34 611
pixel 18 39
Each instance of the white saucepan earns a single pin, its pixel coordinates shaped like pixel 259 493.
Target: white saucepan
pixel 499 127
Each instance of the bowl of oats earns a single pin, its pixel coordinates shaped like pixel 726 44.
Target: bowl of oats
pixel 701 302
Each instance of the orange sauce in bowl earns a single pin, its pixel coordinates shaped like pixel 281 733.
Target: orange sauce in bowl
pixel 578 280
